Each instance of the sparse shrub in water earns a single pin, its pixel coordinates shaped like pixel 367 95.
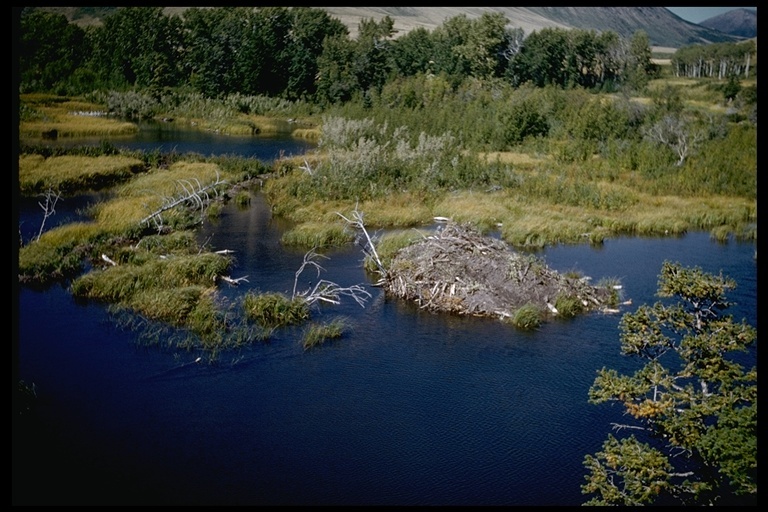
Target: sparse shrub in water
pixel 568 306
pixel 243 198
pixel 527 317
pixel 275 309
pixel 317 334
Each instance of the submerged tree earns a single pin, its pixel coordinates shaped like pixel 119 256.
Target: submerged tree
pixel 694 404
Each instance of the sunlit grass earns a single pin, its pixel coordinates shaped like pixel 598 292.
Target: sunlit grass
pixel 318 234
pixel 167 182
pixel 273 309
pixel 68 172
pixel 58 117
pixel 55 254
pixel 390 243
pixel 397 210
pixel 485 211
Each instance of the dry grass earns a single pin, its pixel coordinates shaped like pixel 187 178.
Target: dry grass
pixel 37 173
pixel 58 118
pixel 484 210
pixel 165 182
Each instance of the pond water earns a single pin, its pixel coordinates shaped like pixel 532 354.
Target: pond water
pixel 171 138
pixel 407 408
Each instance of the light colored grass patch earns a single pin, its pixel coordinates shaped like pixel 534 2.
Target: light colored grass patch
pixel 390 243
pixel 165 182
pixel 124 213
pixel 484 210
pixel 65 119
pixel 69 172
pixel 318 234
pixel 510 157
pixel 396 210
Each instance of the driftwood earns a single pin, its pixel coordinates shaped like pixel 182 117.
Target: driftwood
pixel 458 270
pixel 191 193
pixel 324 290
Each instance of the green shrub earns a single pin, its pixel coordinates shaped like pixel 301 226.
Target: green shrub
pixel 527 317
pixel 568 306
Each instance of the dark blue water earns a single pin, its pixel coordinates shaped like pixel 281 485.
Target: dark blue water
pixel 170 138
pixel 408 408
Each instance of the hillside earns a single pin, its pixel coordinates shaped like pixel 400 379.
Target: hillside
pixel 664 28
pixel 738 22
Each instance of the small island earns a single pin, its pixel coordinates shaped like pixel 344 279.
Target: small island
pixel 458 270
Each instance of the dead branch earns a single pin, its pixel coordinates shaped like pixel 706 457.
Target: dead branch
pixel 49 208
pixel 192 193
pixel 369 248
pixel 306 168
pixel 108 260
pixel 234 282
pixel 309 260
pixel 328 291
pixel 324 290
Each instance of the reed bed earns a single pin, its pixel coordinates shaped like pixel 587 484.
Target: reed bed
pixel 57 254
pixel 315 334
pixel 274 309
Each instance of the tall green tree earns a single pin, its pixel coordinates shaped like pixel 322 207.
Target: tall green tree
pixel 694 439
pixel 336 81
pixel 50 49
pixel 413 53
pixel 138 47
pixel 309 29
pixel 639 68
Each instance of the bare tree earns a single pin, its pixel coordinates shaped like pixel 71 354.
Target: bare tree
pixel 675 133
pixel 49 208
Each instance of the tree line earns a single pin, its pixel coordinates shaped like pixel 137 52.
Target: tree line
pixel 719 60
pixel 302 53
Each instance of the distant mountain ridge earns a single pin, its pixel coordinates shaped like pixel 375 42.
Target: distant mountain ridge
pixel 738 22
pixel 664 28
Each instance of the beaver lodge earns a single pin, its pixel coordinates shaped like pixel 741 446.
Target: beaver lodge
pixel 457 270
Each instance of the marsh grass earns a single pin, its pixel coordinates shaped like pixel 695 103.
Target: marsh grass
pixel 568 306
pixel 274 309
pixel 55 116
pixel 402 209
pixel 528 317
pixel 179 290
pixel 74 173
pixel 57 254
pixel 318 234
pixel 388 245
pixel 485 211
pixel 119 284
pixel 315 334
